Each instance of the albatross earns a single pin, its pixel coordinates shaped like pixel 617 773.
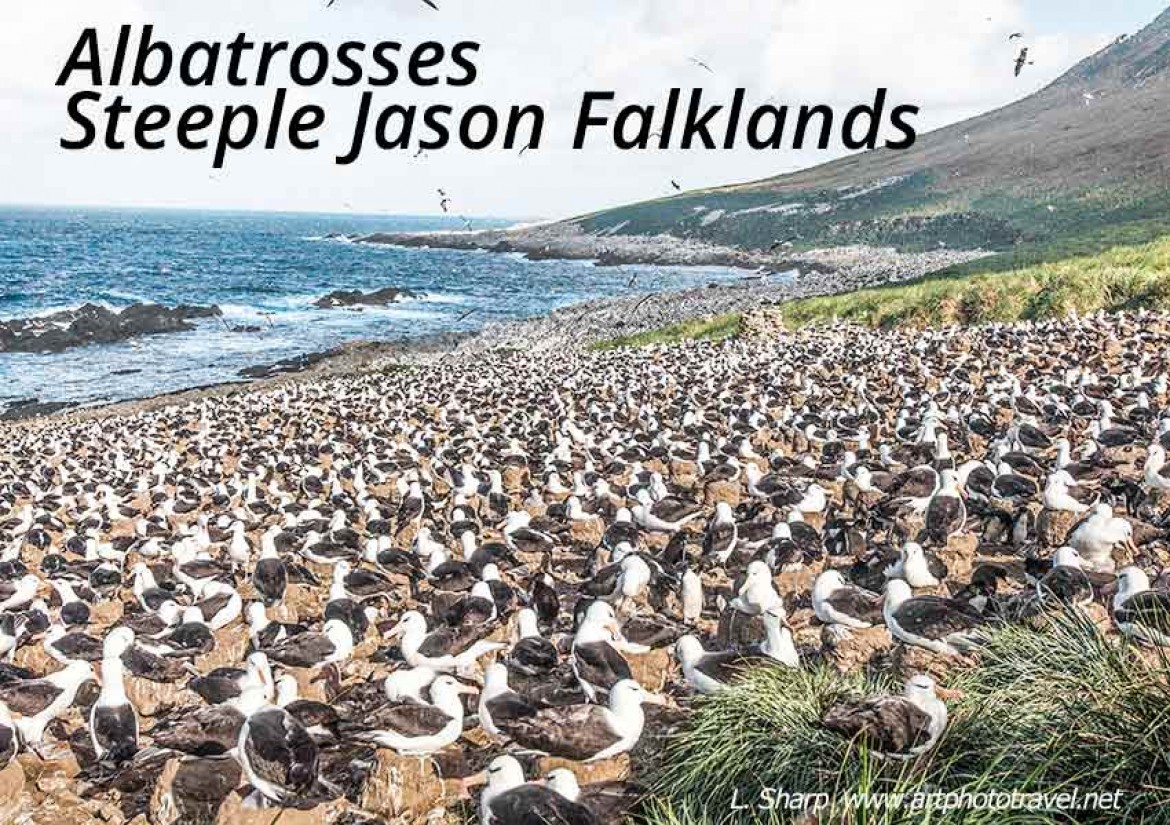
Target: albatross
pixel 113 722
pixel 509 800
pixel 417 730
pixel 712 672
pixel 278 756
pixel 444 650
pixel 1140 612
pixel 945 626
pixel 894 726
pixel 584 733
pixel 836 602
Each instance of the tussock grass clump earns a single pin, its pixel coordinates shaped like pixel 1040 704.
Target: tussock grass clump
pixel 1061 710
pixel 717 328
pixel 1120 278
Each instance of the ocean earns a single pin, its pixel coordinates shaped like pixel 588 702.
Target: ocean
pixel 266 270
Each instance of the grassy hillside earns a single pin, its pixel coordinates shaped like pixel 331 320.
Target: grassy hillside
pixel 1121 277
pixel 1118 278
pixel 1078 166
pixel 706 329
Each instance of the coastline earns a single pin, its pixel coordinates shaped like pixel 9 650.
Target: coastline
pixel 820 272
pixel 855 266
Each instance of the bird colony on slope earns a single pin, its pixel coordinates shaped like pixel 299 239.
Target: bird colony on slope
pixel 491 568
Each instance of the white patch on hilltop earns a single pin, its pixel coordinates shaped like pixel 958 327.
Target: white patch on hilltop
pixel 866 189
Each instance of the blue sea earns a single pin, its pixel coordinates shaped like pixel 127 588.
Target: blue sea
pixel 262 269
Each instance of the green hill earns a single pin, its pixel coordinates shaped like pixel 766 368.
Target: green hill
pixel 1077 167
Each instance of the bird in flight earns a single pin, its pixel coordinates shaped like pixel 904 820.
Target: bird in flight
pixel 431 3
pixel 677 188
pixel 466 315
pixel 701 64
pixel 633 278
pixel 1015 35
pixel 1022 60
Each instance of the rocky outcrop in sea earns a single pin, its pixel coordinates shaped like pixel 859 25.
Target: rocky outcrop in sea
pixel 93 324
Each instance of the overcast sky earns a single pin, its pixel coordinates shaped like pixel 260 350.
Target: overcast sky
pixel 951 57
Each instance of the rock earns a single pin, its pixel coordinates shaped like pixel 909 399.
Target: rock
pixel 725 491
pixel 650 669
pixel 959 556
pixel 33 408
pixel 587 532
pixel 298 363
pixel 11 788
pixel 405 786
pixel 152 698
pixel 355 297
pixel 1053 526
pixel 233 812
pixel 588 773
pixel 862 647
pixel 93 324
pixel 906 660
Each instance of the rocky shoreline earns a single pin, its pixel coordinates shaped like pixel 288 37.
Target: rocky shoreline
pixel 578 325
pixel 93 324
pixel 855 267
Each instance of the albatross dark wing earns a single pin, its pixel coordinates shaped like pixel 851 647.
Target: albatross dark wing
pixel 209 731
pixel 1149 609
pixel 30 697
pixel 729 665
pixel 281 752
pixel 600 664
pixel 577 732
pixel 147 665
pixel 933 617
pixel 536 805
pixel 858 603
pixel 406 719
pixel 887 724
pixel 448 640
pixel 116 730
pixel 304 650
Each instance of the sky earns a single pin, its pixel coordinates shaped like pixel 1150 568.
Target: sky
pixel 950 57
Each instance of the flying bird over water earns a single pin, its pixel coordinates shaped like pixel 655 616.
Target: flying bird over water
pixel 674 183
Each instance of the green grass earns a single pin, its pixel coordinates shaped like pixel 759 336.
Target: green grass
pixel 705 329
pixel 1046 711
pixel 1118 278
pixel 1125 277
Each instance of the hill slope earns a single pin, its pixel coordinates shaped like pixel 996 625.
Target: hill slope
pixel 1081 164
